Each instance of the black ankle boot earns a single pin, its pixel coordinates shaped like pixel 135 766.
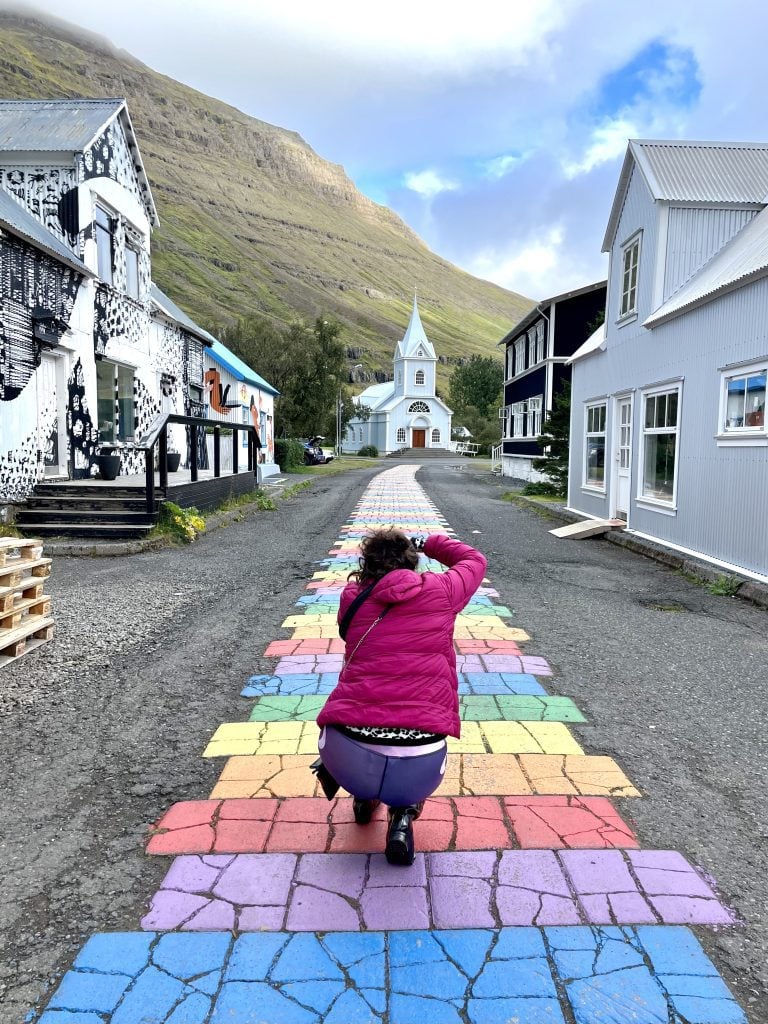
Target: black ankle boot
pixel 399 849
pixel 363 810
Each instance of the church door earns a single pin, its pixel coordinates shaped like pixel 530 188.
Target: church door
pixel 419 438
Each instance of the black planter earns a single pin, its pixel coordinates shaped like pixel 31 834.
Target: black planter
pixel 109 466
pixel 172 460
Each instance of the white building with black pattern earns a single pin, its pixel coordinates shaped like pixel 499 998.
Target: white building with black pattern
pixel 405 411
pixel 90 351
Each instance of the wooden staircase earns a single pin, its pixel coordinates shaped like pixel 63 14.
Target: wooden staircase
pixel 87 511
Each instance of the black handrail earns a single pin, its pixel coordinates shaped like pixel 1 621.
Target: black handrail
pixel 158 434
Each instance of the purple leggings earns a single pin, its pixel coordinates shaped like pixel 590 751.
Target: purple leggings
pixel 369 775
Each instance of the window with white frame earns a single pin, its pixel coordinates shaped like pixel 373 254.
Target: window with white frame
pixel 418 407
pixel 594 447
pixel 534 415
pixel 519 355
pixel 435 436
pixel 418 377
pixel 518 419
pixel 131 272
pixel 510 372
pixel 630 260
pixel 540 342
pixel 532 346
pixel 104 230
pixel 401 435
pixel 661 409
pixel 743 400
pixel 507 421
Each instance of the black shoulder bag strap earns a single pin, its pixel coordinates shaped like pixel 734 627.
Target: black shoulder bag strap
pixel 350 613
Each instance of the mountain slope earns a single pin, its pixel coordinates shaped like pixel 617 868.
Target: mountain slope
pixel 252 219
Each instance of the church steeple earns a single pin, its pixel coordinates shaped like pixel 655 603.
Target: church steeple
pixel 415 342
pixel 415 360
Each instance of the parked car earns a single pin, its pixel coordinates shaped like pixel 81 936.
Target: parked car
pixel 314 454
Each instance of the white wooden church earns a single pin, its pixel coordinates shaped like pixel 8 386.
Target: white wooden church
pixel 405 411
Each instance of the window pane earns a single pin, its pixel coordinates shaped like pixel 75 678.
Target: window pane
pixel 659 466
pixel 734 405
pixel 754 414
pixel 132 273
pixel 650 411
pixel 601 418
pixel 105 399
pixel 661 411
pixel 104 254
pixel 596 461
pixel 125 402
pixel 672 400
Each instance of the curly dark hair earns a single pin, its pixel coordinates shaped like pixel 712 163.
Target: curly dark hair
pixel 381 552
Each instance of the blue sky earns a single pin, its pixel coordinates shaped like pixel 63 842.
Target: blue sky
pixel 496 131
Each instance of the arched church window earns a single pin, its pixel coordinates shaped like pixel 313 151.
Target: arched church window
pixel 419 377
pixel 435 436
pixel 418 407
pixel 401 435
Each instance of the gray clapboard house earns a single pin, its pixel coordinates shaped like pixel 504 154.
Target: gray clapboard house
pixel 668 427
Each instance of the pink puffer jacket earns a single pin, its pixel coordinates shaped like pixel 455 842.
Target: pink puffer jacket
pixel 404 672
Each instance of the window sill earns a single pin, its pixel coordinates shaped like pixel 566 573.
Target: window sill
pixel 663 507
pixel 628 318
pixel 593 490
pixel 757 440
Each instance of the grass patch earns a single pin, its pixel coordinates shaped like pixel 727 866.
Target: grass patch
pixel 7 530
pixel 331 468
pixel 262 501
pixel 537 505
pixel 294 489
pixel 725 586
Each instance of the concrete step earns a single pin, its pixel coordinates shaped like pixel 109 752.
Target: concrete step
pixel 94 531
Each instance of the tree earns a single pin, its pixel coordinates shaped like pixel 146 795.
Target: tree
pixel 305 364
pixel 477 384
pixel 555 440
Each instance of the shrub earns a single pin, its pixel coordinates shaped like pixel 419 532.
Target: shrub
pixel 542 487
pixel 183 523
pixel 289 453
pixel 369 451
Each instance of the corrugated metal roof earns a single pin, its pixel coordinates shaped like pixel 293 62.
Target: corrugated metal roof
pixel 239 369
pixel 53 125
pixel 174 312
pixel 693 172
pixel 705 172
pixel 742 260
pixel 18 221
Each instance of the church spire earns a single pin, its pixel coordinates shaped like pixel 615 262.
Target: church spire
pixel 415 339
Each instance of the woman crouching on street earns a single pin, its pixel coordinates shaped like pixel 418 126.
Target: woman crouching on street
pixel 385 724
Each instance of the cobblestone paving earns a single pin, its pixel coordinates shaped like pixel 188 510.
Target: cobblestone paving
pixel 530 899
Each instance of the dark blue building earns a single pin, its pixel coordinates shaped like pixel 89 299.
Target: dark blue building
pixel 535 366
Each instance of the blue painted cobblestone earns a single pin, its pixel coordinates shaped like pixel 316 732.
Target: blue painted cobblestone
pixel 645 975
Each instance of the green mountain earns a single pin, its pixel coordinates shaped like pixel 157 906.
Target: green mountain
pixel 252 220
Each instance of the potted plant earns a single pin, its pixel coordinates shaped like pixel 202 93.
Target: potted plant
pixel 108 461
pixel 172 460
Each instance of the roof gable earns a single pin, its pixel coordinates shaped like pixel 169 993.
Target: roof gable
pixel 713 173
pixel 70 126
pixel 168 307
pixel 740 261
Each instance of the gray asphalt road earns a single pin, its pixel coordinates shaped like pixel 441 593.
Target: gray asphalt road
pixel 103 729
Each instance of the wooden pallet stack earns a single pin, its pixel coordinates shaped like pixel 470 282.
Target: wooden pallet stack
pixel 25 610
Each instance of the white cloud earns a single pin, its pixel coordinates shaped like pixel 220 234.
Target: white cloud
pixel 429 183
pixel 608 142
pixel 501 166
pixel 524 266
